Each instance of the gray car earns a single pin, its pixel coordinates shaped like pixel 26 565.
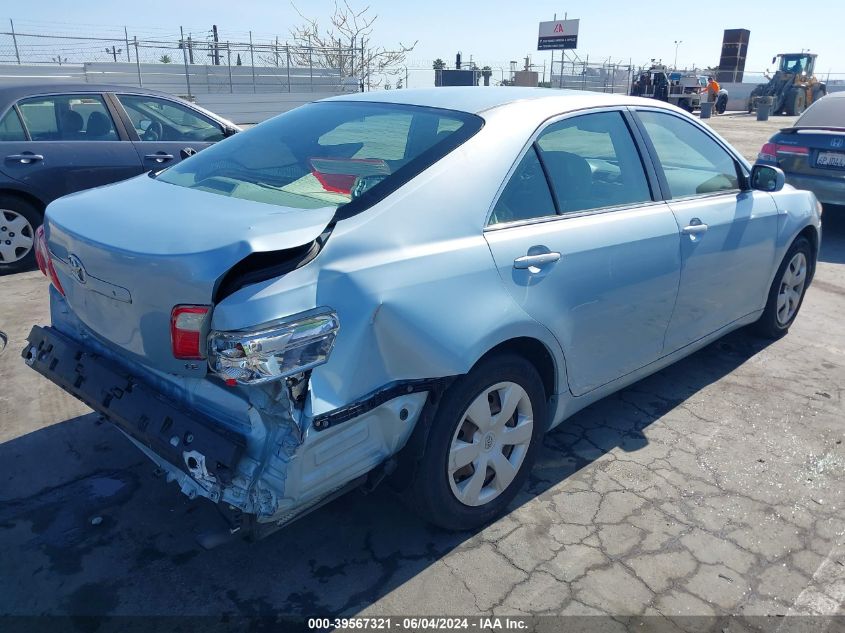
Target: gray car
pixel 812 152
pixel 408 285
pixel 56 139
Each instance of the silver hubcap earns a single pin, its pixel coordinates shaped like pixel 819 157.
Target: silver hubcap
pixel 490 443
pixel 16 236
pixel 791 288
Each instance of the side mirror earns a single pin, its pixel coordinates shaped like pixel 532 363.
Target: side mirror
pixel 767 178
pixel 774 59
pixel 229 131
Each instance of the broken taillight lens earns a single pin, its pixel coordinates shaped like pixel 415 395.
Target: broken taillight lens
pixel 45 263
pixel 186 326
pixel 272 352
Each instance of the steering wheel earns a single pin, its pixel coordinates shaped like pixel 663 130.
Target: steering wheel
pixel 154 131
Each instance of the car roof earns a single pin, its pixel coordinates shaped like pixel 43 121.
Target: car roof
pixel 20 90
pixel 477 99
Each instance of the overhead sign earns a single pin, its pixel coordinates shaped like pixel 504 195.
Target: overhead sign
pixel 558 34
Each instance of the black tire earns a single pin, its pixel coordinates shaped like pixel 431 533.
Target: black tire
pixel 769 326
pixel 685 104
pixel 752 106
pixel 9 207
pixel 431 493
pixel 795 103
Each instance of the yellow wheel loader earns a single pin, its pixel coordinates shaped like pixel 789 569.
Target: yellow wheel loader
pixel 793 86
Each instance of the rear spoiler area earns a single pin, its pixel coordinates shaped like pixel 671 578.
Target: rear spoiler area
pixel 812 128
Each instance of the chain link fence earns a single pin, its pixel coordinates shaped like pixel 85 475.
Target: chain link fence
pixel 583 75
pixel 181 65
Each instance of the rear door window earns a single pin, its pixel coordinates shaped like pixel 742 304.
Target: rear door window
pixel 593 163
pixel 526 196
pixel 68 118
pixel 11 128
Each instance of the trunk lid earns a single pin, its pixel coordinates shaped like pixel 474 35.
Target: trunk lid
pixel 820 152
pixel 126 254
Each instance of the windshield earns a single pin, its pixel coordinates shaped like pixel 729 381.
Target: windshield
pixel 794 63
pixel 340 153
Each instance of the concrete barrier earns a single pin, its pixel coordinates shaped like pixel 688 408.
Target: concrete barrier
pixel 255 108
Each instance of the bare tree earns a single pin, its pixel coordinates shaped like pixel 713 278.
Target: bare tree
pixel 345 45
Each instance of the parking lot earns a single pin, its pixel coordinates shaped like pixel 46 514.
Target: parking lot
pixel 716 486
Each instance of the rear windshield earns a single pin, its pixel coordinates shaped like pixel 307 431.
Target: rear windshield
pixel 342 154
pixel 826 112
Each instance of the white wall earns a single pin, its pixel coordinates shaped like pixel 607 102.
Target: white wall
pixel 254 108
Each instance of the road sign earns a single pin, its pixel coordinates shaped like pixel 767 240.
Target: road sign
pixel 558 34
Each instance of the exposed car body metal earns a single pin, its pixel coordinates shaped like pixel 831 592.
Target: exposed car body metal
pixel 419 301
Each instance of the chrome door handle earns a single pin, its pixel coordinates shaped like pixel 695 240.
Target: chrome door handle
pixel 159 158
pixel 530 261
pixel 25 159
pixel 695 227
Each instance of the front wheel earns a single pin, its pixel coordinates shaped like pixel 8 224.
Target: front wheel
pixel 483 441
pixel 787 291
pixel 795 103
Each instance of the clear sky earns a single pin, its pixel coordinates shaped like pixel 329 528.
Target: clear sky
pixel 493 32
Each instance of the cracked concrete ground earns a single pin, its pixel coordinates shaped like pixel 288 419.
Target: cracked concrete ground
pixel 716 486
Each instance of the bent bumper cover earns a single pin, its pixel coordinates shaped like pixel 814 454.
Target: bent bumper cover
pixel 186 439
pixel 274 470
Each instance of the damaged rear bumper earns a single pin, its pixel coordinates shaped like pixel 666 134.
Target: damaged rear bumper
pixel 187 440
pixel 274 467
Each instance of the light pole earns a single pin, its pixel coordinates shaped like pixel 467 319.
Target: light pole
pixel 677 44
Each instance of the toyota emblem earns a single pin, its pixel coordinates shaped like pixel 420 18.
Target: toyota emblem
pixel 77 269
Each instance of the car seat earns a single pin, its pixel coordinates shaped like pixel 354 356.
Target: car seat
pixel 99 127
pixel 71 125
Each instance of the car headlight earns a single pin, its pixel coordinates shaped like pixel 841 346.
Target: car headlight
pixel 286 347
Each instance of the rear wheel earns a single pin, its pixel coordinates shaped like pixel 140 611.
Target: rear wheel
pixel 787 291
pixel 18 221
pixel 482 444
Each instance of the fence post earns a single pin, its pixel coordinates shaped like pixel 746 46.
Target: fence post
pixel 185 58
pixel 138 62
pixel 560 77
pixel 311 67
pixel 252 61
pixel 229 60
pixel 126 39
pixel 287 55
pixel 15 41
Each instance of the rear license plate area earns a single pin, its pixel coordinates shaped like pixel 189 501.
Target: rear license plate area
pixel 831 160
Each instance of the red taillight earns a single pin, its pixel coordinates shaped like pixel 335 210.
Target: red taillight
pixel 186 322
pixel 770 151
pixel 45 263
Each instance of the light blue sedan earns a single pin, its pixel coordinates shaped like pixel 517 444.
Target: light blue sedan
pixel 412 285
